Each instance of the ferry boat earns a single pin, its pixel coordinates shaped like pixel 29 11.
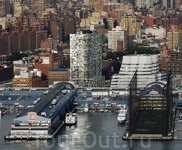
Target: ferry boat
pixel 71 118
pixel 122 116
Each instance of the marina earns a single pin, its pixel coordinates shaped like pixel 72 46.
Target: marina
pixel 86 134
pixel 43 116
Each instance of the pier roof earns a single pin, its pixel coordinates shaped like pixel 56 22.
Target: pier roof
pixel 25 118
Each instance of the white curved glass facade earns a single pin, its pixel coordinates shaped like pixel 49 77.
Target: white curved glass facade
pixel 147 71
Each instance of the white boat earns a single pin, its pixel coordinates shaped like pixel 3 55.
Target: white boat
pixel 101 110
pixel 86 109
pixel 122 116
pixel 180 117
pixel 71 118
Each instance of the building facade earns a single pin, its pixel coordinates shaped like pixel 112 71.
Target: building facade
pixel 57 74
pixel 174 40
pixel 147 71
pixel 85 59
pixel 132 25
pixel 45 61
pixel 177 3
pixel 117 34
pixel 174 63
pixel 4 7
pixel 142 3
pixel 27 79
pixel 6 72
pixel 4 21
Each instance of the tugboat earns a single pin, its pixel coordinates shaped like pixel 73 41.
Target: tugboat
pixel 71 119
pixel 122 116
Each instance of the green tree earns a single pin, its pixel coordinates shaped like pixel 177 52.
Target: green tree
pixel 16 56
pixel 140 49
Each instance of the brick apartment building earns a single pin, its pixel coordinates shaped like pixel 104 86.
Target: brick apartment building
pixel 45 61
pixel 21 38
pixel 27 82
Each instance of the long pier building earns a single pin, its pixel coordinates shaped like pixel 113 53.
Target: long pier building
pixel 45 118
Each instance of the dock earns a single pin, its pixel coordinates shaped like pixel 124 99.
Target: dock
pixel 46 117
pixel 34 137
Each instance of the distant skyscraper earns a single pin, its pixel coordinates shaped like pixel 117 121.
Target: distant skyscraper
pixel 85 59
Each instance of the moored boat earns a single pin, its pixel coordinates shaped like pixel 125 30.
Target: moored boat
pixel 70 118
pixel 86 109
pixel 180 117
pixel 122 116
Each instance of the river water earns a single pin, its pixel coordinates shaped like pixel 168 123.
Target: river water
pixel 94 131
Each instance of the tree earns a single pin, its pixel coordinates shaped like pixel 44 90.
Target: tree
pixel 140 49
pixel 16 56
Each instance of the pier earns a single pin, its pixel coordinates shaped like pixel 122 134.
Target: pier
pixel 46 117
pixel 151 114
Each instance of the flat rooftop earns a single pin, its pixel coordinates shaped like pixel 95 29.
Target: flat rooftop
pixel 20 97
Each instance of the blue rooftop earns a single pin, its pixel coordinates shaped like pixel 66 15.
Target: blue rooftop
pixel 57 69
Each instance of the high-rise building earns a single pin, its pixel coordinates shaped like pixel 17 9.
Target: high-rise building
pixel 4 7
pixel 177 3
pixel 68 26
pixel 130 24
pixel 174 40
pixel 85 59
pixel 168 3
pixel 117 34
pixel 147 71
pixel 56 30
pixel 174 63
pixel 142 3
pixel 6 72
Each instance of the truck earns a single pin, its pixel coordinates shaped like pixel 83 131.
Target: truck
pixel 35 102
pixel 38 99
pixel 43 113
pixel 46 92
pixel 54 101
